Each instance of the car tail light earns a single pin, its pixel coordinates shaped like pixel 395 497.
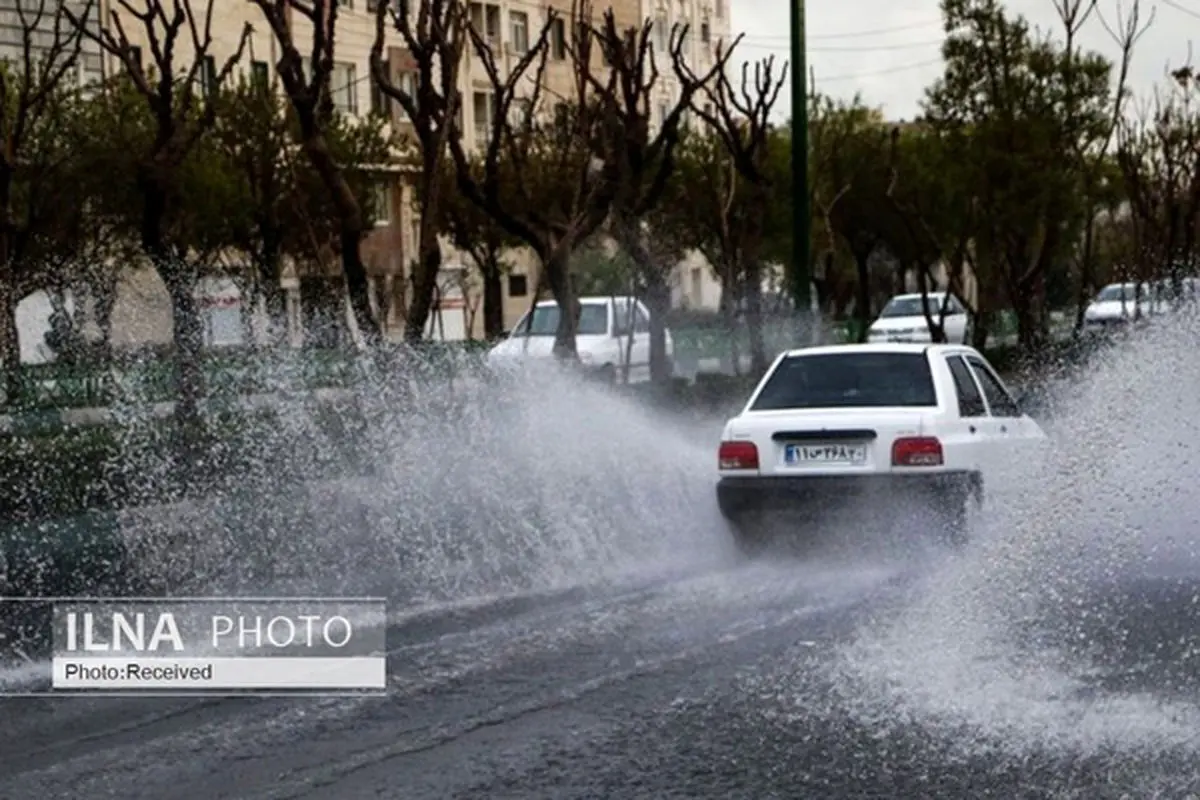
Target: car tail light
pixel 738 455
pixel 917 451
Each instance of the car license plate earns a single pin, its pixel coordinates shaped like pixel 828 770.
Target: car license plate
pixel 815 454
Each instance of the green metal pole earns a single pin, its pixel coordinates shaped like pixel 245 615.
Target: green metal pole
pixel 801 274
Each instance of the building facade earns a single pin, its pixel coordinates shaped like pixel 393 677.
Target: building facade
pixel 510 27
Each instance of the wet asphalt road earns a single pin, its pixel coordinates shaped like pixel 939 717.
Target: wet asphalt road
pixel 730 683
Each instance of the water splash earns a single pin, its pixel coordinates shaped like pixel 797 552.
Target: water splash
pixel 1041 635
pixel 490 486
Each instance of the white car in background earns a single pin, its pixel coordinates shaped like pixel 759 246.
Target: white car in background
pixel 604 340
pixel 903 319
pixel 829 429
pixel 1120 303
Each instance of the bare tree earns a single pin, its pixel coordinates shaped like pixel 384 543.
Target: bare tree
pixel 645 158
pixel 436 44
pixel 29 87
pixel 546 179
pixel 306 79
pixel 1091 153
pixel 183 110
pixel 741 119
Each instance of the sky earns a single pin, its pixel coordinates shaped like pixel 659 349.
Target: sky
pixel 889 50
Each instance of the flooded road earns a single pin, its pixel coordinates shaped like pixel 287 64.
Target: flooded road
pixel 754 680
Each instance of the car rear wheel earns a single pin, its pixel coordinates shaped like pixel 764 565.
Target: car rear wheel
pixel 952 517
pixel 749 534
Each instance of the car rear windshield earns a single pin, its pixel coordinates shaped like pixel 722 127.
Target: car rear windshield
pixel 849 380
pixel 593 321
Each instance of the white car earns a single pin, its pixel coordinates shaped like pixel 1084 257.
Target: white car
pixel 1120 303
pixel 604 340
pixel 826 424
pixel 903 319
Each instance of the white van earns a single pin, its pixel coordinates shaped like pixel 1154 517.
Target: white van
pixel 604 339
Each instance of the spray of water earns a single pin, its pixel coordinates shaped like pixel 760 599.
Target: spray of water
pixel 483 486
pixel 1036 636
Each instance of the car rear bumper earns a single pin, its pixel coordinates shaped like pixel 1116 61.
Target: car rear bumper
pixel 817 493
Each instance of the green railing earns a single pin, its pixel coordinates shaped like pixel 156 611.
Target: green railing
pixel 231 374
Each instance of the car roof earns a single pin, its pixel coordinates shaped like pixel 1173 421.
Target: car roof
pixel 880 347
pixel 592 301
pixel 915 295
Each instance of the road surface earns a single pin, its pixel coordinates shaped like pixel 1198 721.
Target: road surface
pixel 831 675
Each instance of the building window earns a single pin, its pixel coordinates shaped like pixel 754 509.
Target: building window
pixel 208 75
pixel 519 22
pixel 343 88
pixel 484 107
pixel 705 32
pixel 407 83
pixel 558 39
pixel 720 9
pixel 260 74
pixel 381 202
pixel 518 285
pixel 520 113
pixel 661 32
pixel 135 55
pixel 493 26
pixel 91 69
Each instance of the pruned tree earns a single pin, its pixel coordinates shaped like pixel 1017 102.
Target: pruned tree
pixel 180 95
pixel 645 154
pixel 255 134
pixel 1158 153
pixel 547 179
pixel 740 118
pixel 1090 153
pixel 436 43
pixel 286 212
pixel 31 89
pixel 307 80
pixel 474 232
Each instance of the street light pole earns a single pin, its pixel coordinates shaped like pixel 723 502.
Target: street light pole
pixel 801 274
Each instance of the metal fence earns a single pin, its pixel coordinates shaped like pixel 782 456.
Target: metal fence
pixel 231 374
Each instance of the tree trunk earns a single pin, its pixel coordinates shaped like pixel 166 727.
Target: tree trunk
pixel 934 320
pixel 425 286
pixel 729 313
pixel 657 296
pixel 350 230
pixel 980 328
pixel 104 298
pixel 274 301
pixel 862 304
pixel 557 269
pixel 10 343
pixel 658 300
pixel 323 311
pixel 754 318
pixel 493 298
pixel 275 307
pixel 188 338
pixel 1029 306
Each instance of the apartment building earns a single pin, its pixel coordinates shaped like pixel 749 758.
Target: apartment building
pixel 512 26
pixel 142 313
